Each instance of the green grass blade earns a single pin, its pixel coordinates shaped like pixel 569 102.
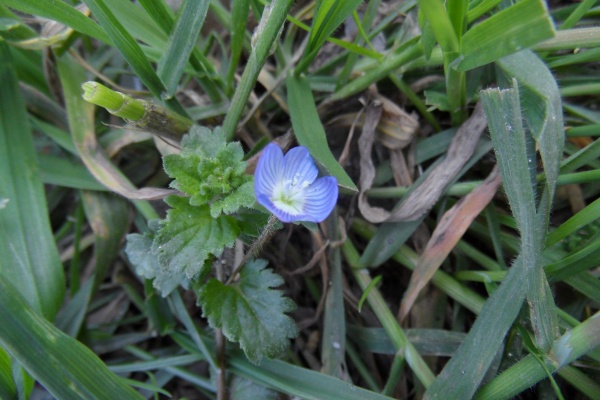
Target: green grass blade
pixel 309 130
pixel 525 373
pixel 66 173
pixel 517 167
pixel 239 19
pixel 541 108
pixel 160 12
pixel 462 375
pixel 291 379
pixel 576 15
pixel 520 26
pixel 8 389
pixel 272 23
pixel 181 43
pixel 61 12
pixel 589 214
pixel 328 17
pixel 333 349
pixel 29 258
pixel 131 51
pixel 441 25
pixel 65 367
pixel 396 334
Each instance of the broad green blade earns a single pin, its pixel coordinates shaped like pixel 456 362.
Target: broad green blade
pixel 520 26
pixel 28 255
pixel 107 214
pixel 61 12
pixel 542 111
pixel 65 367
pixel 130 50
pixel 138 23
pixel 181 43
pixel 309 131
pixel 516 160
pixel 8 389
pixel 541 108
pixel 160 12
pixel 66 173
pixel 301 382
pixel 441 25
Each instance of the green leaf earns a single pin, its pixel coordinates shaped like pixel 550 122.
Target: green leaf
pixel 250 311
pixel 309 130
pixel 64 366
pixel 211 171
pixel 190 235
pixel 60 11
pixel 242 389
pixel 181 43
pixel 440 23
pixel 28 255
pixel 520 26
pixel 139 251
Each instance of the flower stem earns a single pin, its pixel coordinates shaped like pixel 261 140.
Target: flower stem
pixel 266 233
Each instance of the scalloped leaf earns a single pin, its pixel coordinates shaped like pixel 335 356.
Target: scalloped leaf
pixel 139 252
pixel 211 171
pixel 190 235
pixel 250 311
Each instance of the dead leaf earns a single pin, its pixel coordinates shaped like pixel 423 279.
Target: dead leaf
pixel 367 169
pixel 429 191
pixel 450 229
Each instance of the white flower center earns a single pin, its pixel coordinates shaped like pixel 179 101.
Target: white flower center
pixel 289 195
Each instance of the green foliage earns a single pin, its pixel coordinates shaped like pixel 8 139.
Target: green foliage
pixel 211 171
pixel 189 235
pixel 139 251
pixel 250 311
pixel 199 227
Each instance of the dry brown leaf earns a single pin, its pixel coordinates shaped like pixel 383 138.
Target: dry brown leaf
pixel 451 228
pixel 429 191
pixel 367 169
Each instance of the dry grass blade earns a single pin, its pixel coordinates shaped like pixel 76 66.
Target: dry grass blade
pixel 428 193
pixel 451 228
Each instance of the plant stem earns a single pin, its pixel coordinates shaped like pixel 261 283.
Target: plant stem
pixel 266 233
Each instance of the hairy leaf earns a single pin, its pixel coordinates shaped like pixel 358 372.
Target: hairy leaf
pixel 250 311
pixel 139 251
pixel 189 235
pixel 211 171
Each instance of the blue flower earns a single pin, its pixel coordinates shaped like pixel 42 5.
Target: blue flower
pixel 288 186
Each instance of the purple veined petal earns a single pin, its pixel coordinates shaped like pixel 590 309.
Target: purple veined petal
pixel 269 171
pixel 299 166
pixel 319 199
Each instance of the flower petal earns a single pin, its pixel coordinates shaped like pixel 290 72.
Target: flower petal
pixel 319 200
pixel 269 171
pixel 299 166
pixel 283 216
